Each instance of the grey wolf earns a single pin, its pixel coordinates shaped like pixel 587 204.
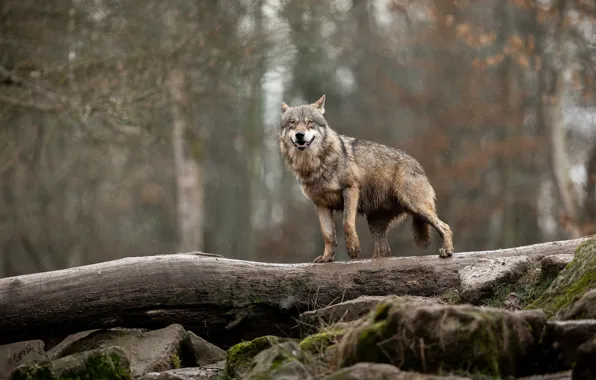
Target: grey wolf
pixel 357 177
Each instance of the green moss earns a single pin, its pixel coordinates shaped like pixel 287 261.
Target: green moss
pixel 240 355
pixel 317 343
pixel 99 367
pixel 451 297
pixel 104 367
pixel 34 372
pixel 526 291
pixel 578 277
pixel 381 311
pixel 425 337
pixel 175 360
pixel 268 363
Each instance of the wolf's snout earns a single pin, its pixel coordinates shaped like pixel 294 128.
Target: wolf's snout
pixel 302 140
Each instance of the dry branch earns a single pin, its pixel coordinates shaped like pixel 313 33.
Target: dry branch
pixel 221 299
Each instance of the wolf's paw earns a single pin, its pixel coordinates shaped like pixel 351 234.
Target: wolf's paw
pixel 353 252
pixel 444 253
pixel 323 259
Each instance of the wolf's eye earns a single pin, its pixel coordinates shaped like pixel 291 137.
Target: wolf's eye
pixel 292 122
pixel 310 123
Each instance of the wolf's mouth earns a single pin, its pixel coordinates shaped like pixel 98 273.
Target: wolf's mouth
pixel 303 144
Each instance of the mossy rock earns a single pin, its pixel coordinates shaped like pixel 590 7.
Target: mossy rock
pixel 239 356
pixel 379 371
pixel 434 338
pixel 345 312
pixel 585 366
pixel 319 342
pixel 572 283
pixel 149 351
pixel 521 293
pixel 106 364
pixel 285 360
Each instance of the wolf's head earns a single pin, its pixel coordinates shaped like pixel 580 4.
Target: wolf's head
pixel 303 127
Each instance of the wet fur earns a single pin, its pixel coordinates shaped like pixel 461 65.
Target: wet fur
pixel 359 177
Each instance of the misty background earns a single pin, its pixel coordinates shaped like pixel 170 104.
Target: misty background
pixel 131 128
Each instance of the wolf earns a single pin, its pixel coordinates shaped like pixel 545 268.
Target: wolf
pixel 357 177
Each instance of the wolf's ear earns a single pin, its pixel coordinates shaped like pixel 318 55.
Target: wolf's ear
pixel 284 107
pixel 320 104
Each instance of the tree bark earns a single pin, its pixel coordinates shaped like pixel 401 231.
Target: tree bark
pixel 188 171
pixel 590 203
pixel 222 300
pixel 553 118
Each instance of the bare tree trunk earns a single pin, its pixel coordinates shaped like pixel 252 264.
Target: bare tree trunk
pixel 559 158
pixel 189 174
pixel 254 137
pixel 553 118
pixel 590 203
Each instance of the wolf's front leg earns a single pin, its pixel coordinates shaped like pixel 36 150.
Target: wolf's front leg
pixel 351 195
pixel 328 231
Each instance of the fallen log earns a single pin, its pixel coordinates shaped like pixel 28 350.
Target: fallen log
pixel 222 300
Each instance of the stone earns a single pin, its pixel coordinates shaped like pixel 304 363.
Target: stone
pixel 56 351
pixel 479 279
pixel 576 280
pixel 585 366
pixel 347 311
pixel 204 353
pixel 239 356
pixel 565 375
pixel 282 361
pixel 584 308
pixel 377 371
pixel 552 265
pixel 105 363
pixel 209 372
pixel 148 351
pixel 561 340
pixel 19 353
pixel 319 342
pixel 430 338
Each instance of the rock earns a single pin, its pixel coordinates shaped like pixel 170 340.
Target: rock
pixel 105 363
pixel 572 283
pixel 478 280
pixel 566 375
pixel 203 352
pixel 210 372
pixel 585 366
pixel 282 361
pixel 149 351
pixel 341 312
pixel 319 342
pixel 312 321
pixel 239 356
pixel 376 371
pixel 426 337
pixel 56 351
pixel 551 265
pixel 16 354
pixel 561 340
pixel 584 308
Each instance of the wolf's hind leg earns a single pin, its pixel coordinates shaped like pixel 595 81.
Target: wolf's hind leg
pixel 428 214
pixel 379 226
pixel 417 197
pixel 328 232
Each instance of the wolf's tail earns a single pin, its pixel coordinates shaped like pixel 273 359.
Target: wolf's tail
pixel 421 231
